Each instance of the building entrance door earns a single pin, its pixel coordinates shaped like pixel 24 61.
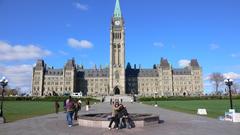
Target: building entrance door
pixel 116 91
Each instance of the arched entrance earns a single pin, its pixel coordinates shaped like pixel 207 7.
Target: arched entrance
pixel 116 91
pixel 184 94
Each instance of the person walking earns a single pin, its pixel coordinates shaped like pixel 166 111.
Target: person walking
pixel 87 104
pixel 56 105
pixel 80 104
pixel 110 101
pixel 64 105
pixel 70 110
pixel 131 100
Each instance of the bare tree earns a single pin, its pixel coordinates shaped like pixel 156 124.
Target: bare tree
pixel 217 79
pixel 9 91
pixel 6 89
pixel 235 88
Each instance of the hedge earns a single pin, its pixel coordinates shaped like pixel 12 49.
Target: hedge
pixel 185 98
pixel 49 98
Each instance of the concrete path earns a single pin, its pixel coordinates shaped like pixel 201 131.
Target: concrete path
pixel 174 123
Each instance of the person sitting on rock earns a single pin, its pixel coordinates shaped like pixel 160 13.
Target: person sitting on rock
pixel 123 116
pixel 114 117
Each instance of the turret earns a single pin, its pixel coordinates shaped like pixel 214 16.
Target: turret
pixel 38 78
pixel 70 76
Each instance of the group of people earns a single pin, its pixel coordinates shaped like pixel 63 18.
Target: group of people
pixel 120 117
pixel 71 108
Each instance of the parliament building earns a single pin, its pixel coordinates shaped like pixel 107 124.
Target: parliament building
pixel 118 78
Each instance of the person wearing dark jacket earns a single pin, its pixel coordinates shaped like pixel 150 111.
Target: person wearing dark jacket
pixel 64 105
pixel 123 117
pixel 77 108
pixel 56 104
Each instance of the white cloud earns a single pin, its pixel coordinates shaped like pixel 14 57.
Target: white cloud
pixel 63 52
pixel 20 52
pixel 81 6
pixel 232 75
pixel 158 44
pixel 206 78
pixel 79 43
pixel 214 46
pixel 183 63
pixel 18 75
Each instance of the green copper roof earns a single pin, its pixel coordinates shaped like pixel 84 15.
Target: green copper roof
pixel 117 10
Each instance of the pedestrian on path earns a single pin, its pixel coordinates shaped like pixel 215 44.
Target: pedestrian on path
pixel 64 105
pixel 80 104
pixel 70 110
pixel 56 105
pixel 87 104
pixel 110 101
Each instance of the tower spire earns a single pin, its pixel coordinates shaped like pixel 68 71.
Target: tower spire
pixel 117 10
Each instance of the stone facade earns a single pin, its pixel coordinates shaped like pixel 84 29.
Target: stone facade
pixel 50 81
pixel 118 79
pixel 163 80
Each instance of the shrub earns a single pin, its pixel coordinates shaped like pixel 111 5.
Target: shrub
pixel 185 98
pixel 50 98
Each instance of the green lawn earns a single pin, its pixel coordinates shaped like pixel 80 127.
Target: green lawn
pixel 15 110
pixel 215 108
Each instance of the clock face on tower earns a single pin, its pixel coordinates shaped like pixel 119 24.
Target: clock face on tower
pixel 117 22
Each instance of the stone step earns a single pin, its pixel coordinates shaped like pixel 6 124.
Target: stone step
pixel 119 98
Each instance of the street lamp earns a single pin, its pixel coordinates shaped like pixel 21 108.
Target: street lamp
pixel 155 95
pixel 3 83
pixel 229 83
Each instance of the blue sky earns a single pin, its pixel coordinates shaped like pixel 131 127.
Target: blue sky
pixel 208 30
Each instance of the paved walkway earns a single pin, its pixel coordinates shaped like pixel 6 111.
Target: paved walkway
pixel 175 123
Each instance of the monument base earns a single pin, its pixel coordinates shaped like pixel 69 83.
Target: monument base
pixel 101 120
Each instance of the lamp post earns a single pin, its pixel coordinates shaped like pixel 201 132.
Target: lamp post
pixel 3 83
pixel 155 95
pixel 229 83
